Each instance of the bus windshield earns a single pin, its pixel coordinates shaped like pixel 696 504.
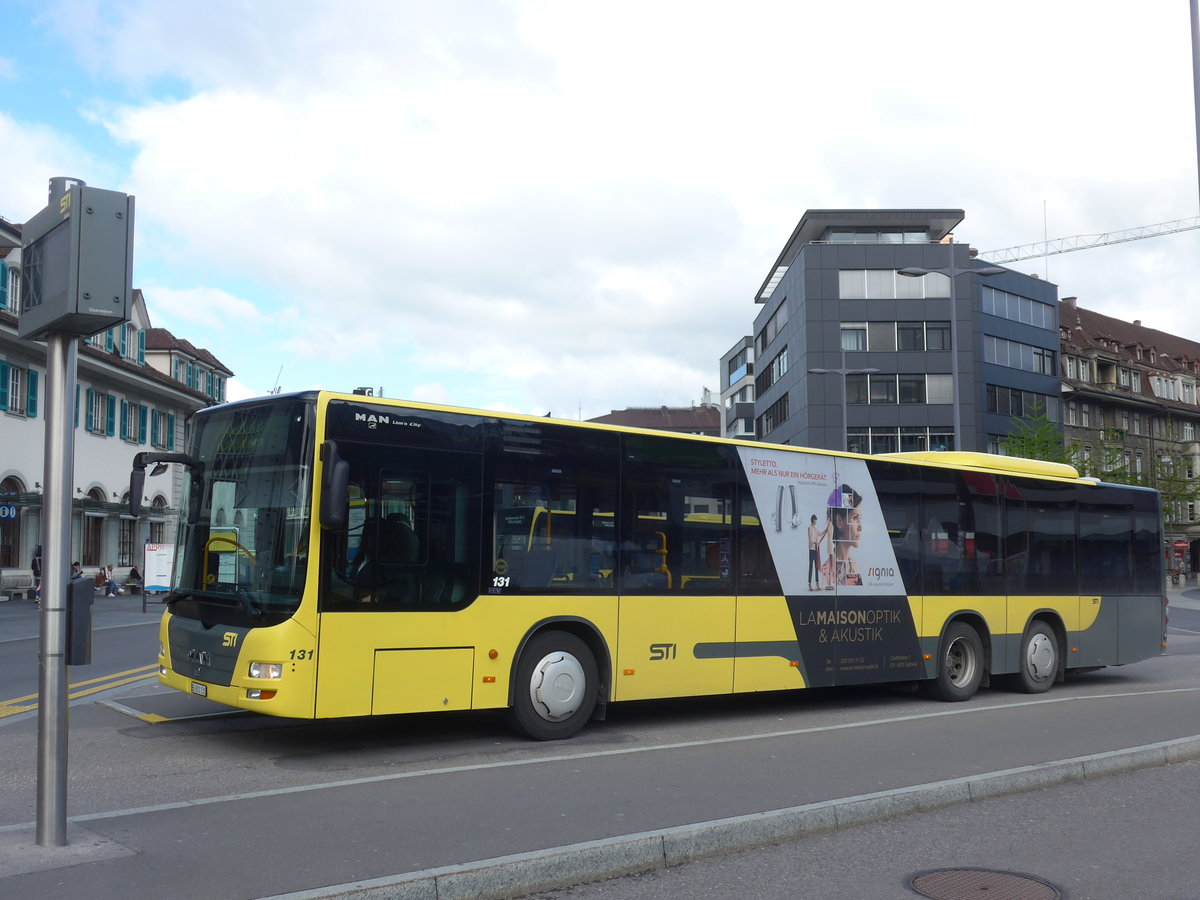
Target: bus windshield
pixel 243 542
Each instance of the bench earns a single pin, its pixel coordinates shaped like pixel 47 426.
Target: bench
pixel 16 584
pixel 120 576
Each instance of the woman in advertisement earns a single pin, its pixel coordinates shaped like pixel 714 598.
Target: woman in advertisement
pixel 845 521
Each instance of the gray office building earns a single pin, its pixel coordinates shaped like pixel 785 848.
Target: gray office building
pixel 879 333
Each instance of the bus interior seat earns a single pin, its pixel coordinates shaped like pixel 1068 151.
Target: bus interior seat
pixel 398 540
pixel 532 568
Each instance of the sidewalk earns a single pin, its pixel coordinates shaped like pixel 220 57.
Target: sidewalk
pixel 19 619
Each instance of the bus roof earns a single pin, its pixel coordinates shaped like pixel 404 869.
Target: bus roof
pixel 1014 465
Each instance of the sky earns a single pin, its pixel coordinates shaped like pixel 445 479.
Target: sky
pixel 544 206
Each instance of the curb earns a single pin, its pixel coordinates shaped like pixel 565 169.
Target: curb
pixel 520 874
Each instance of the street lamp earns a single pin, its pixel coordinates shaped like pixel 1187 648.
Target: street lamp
pixel 952 272
pixel 843 372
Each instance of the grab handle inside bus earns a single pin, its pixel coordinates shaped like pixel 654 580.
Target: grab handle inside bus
pixel 335 479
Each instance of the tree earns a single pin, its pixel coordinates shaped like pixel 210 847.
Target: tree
pixel 1035 437
pixel 1104 457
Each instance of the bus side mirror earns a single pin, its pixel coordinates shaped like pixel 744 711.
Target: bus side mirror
pixel 137 484
pixel 335 479
pixel 137 477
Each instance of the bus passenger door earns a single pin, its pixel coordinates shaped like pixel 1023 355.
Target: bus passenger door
pixel 675 645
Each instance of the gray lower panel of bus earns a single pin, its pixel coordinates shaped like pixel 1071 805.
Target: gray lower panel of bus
pixel 206 654
pixel 1127 629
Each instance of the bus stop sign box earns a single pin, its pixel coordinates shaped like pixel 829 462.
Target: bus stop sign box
pixel 77 261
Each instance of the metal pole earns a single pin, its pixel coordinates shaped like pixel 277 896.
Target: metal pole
pixel 954 395
pixel 1195 11
pixel 845 410
pixel 58 475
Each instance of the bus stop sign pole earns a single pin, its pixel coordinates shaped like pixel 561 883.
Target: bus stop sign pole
pixel 61 362
pixel 77 280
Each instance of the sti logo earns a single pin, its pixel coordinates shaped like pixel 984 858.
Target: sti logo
pixel 662 652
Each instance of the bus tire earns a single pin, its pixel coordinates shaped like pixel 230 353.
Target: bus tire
pixel 959 664
pixel 556 686
pixel 1038 666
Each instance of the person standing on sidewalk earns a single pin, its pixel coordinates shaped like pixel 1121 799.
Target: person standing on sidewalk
pixel 36 565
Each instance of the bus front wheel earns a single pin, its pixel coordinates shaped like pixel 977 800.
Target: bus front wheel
pixel 1039 659
pixel 557 683
pixel 959 664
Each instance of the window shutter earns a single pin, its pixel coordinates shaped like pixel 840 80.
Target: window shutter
pixel 76 406
pixel 108 341
pixel 141 346
pixel 4 286
pixel 3 385
pixel 31 395
pixel 110 426
pixel 142 414
pixel 170 432
pixel 124 420
pixel 124 332
pixel 155 427
pixel 91 410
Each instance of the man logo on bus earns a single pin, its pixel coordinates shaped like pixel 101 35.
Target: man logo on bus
pixel 374 420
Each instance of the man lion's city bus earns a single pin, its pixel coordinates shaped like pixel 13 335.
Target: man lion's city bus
pixel 342 555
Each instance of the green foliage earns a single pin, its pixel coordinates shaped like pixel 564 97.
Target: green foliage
pixel 1035 437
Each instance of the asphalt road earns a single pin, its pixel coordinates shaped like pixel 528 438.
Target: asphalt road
pixel 242 806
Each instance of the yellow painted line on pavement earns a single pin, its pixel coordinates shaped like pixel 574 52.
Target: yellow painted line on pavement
pixel 91 686
pixel 111 684
pixel 152 718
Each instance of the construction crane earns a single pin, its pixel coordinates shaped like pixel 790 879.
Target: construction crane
pixel 1087 241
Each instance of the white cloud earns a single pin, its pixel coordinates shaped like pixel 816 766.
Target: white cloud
pixel 202 309
pixel 34 153
pixel 236 389
pixel 540 205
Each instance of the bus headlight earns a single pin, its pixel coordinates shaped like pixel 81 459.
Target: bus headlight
pixel 266 670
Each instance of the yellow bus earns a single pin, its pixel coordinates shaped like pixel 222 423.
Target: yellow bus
pixel 342 555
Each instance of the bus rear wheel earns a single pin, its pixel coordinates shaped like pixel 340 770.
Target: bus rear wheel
pixel 556 686
pixel 959 665
pixel 1039 659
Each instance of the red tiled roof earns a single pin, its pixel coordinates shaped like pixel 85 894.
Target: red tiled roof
pixel 161 339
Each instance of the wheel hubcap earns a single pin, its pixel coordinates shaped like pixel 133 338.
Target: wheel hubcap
pixel 557 686
pixel 1039 657
pixel 960 662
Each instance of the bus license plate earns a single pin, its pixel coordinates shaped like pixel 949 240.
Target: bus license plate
pixel 200 690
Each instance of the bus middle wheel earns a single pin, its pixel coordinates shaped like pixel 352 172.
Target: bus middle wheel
pixel 556 687
pixel 959 664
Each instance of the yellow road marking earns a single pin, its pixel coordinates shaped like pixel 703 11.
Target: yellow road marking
pixel 114 679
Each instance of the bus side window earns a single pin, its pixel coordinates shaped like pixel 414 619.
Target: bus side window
pixel 408 531
pixel 899 491
pixel 553 495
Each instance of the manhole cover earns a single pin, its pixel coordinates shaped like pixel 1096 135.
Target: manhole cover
pixel 982 884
